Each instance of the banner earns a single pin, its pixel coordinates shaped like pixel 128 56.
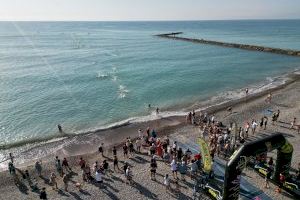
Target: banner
pixel 206 159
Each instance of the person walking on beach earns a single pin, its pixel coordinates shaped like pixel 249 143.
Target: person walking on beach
pixel 43 194
pixel 278 113
pixel 273 118
pixel 27 177
pixel 174 168
pixel 65 180
pixel 193 117
pixel 247 127
pixel 53 181
pixel 253 126
pixel 59 167
pixel 125 151
pixel 38 167
pixel 157 110
pixel 174 147
pixel 100 149
pixel 114 151
pixel 81 163
pixel 167 182
pixel 183 170
pixel 12 171
pixel 65 165
pixel 116 163
pixel 261 124
pixel 179 154
pixel 153 166
pixel 99 176
pixel 265 122
pixel 293 123
pixel 96 166
pixel 140 133
pixel 194 169
pixel 86 173
pixel 125 166
pixel 138 144
pixel 131 148
pixel 269 98
pixel 189 118
pixel 128 175
pixel 152 149
pixel 105 167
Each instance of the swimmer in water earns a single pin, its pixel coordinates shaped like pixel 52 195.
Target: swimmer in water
pixel 59 128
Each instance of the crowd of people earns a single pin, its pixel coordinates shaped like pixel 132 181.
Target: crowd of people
pixel 222 141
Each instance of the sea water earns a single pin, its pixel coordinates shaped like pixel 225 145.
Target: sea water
pixel 88 75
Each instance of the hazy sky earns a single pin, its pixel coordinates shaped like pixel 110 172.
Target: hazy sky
pixel 106 10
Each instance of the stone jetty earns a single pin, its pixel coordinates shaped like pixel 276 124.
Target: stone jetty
pixel 175 36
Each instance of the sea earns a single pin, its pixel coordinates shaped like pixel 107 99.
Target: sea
pixel 89 76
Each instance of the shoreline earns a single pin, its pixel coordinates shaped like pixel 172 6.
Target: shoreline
pixel 181 110
pixel 77 144
pixel 284 98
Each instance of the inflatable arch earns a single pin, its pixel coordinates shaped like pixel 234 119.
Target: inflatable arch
pixel 237 161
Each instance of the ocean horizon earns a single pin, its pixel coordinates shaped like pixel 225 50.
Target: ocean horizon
pixel 92 75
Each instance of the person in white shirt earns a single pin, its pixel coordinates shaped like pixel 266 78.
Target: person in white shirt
pixel 213 119
pixel 167 182
pixel 174 168
pixel 99 176
pixel 253 126
pixel 174 146
pixel 140 133
pixel 128 175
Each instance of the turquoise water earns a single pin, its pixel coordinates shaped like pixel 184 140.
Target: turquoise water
pixel 86 75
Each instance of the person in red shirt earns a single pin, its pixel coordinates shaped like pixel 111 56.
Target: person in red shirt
pixel 197 156
pixel 281 182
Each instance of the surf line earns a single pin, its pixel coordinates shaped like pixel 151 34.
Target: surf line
pixel 174 36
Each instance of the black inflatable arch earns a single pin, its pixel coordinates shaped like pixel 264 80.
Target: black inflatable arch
pixel 237 162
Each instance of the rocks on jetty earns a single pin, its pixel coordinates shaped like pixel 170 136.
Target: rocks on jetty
pixel 174 36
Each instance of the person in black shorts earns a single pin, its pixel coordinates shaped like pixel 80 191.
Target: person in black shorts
pixel 153 167
pixel 105 166
pixel 116 163
pixel 125 151
pixel 43 194
pixel 131 149
pixel 114 151
pixel 179 154
pixel 125 167
pixel 101 149
pixel 152 149
pixel 261 124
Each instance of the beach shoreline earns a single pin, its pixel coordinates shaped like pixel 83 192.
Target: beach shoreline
pixel 74 145
pixel 284 98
